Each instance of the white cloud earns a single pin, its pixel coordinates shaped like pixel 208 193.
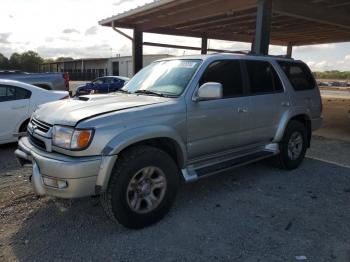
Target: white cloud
pixel 70 31
pixel 4 38
pixel 91 31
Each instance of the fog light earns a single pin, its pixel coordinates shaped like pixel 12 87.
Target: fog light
pixel 56 183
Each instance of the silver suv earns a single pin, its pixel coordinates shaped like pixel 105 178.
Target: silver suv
pixel 177 119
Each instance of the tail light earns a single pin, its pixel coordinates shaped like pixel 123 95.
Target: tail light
pixel 66 80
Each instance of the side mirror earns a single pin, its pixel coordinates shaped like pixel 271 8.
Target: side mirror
pixel 209 91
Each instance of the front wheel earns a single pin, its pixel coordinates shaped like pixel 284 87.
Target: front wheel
pixel 142 187
pixel 293 146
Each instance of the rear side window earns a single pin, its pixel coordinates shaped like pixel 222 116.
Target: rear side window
pixel 298 74
pixel 10 93
pixel 228 73
pixel 22 93
pixel 263 78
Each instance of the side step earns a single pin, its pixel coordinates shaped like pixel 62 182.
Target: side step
pixel 192 173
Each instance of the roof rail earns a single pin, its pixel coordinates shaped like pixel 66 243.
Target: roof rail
pixel 250 53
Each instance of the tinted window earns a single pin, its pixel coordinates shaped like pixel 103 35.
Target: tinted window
pixel 22 93
pixel 9 93
pixel 298 74
pixel 263 78
pixel 99 81
pixel 3 90
pixel 109 80
pixel 228 73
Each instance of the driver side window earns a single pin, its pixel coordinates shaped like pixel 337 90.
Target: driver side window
pixel 226 72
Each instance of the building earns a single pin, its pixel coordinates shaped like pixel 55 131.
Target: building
pixel 91 68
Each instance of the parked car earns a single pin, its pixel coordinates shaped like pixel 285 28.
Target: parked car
pixel 177 119
pixel 17 102
pixel 48 81
pixel 102 85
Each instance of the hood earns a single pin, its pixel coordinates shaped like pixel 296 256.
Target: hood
pixel 71 111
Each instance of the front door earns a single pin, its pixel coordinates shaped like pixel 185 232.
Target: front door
pixel 222 124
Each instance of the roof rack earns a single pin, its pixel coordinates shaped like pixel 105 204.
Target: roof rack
pixel 250 53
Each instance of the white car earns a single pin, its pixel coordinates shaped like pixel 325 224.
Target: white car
pixel 17 102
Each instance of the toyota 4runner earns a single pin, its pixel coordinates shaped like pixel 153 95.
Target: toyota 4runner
pixel 177 119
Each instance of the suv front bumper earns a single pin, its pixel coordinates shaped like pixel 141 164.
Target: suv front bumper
pixel 63 176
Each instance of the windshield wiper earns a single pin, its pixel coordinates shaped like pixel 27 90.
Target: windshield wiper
pixel 148 92
pixel 123 91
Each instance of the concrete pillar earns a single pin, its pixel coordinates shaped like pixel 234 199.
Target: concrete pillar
pixel 137 52
pixel 263 27
pixel 204 47
pixel 289 50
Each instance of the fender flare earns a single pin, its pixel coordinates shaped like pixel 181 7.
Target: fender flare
pixel 133 136
pixel 287 116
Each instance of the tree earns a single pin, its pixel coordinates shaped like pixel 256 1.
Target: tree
pixel 64 59
pixel 30 61
pixel 4 62
pixel 15 61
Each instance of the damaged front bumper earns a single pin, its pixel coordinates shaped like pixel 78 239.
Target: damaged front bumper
pixel 64 176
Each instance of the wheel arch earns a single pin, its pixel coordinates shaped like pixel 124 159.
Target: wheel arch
pixel 162 137
pixel 303 118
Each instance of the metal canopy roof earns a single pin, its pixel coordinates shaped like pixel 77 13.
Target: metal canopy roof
pixel 297 22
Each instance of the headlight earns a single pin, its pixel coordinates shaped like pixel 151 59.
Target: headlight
pixel 70 138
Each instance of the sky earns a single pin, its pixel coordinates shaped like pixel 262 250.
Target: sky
pixel 70 28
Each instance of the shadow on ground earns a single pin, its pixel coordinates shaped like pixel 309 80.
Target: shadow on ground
pixel 254 213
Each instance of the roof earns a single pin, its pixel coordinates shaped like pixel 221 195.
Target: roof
pixel 297 22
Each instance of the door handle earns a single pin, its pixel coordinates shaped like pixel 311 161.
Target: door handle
pixel 18 107
pixel 285 104
pixel 242 110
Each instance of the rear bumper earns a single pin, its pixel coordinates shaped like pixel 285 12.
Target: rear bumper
pixel 80 176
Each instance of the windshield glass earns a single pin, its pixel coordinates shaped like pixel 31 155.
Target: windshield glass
pixel 168 78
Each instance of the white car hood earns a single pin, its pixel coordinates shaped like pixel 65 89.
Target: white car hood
pixel 71 111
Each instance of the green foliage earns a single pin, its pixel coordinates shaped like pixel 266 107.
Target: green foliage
pixel 64 59
pixel 334 74
pixel 28 61
pixel 15 61
pixel 4 62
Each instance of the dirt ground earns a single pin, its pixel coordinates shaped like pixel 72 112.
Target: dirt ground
pixel 253 213
pixel 336 116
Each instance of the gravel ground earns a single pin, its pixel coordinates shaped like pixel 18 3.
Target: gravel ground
pixel 253 213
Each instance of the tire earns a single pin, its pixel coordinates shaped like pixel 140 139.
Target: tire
pixel 23 127
pixel 135 163
pixel 286 159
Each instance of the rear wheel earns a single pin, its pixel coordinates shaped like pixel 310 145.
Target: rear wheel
pixel 142 187
pixel 293 146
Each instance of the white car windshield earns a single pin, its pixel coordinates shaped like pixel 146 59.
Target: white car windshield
pixel 167 78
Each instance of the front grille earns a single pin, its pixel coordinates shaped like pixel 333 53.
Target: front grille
pixel 36 142
pixel 40 125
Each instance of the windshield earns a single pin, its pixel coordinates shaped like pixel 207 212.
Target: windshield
pixel 168 78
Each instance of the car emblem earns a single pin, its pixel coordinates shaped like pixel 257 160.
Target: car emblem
pixel 34 127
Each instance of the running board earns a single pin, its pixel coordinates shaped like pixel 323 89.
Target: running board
pixel 192 173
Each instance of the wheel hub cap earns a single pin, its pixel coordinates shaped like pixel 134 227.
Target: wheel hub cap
pixel 295 145
pixel 146 189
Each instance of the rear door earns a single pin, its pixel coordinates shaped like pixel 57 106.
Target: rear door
pixel 222 124
pixel 14 108
pixel 268 98
pixel 304 92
